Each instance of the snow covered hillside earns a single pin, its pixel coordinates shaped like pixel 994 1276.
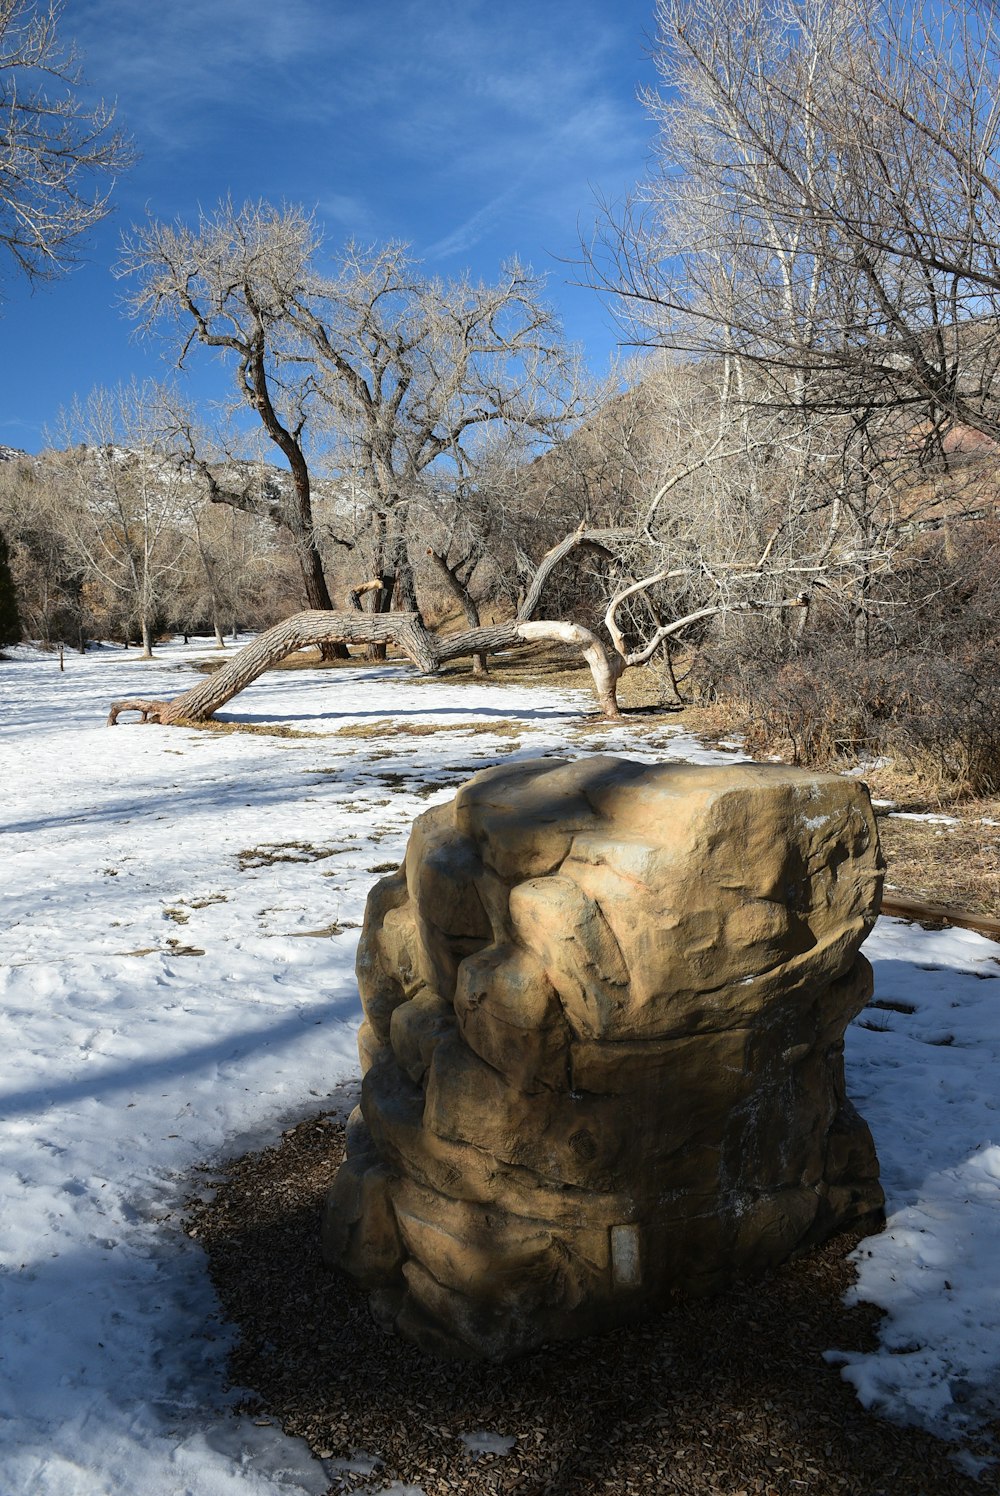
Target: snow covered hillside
pixel 181 911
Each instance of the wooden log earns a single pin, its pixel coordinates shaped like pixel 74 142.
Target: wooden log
pixel 301 631
pixel 902 906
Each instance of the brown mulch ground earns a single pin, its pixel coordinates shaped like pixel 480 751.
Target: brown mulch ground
pixel 730 1397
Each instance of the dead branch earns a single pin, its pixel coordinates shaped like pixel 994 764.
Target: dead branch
pixel 357 593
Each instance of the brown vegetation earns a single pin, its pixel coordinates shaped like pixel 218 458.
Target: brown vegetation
pixel 715 1395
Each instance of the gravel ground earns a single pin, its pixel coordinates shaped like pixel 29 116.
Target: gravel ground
pixel 730 1397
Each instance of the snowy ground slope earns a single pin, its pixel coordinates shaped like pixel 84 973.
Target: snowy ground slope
pixel 177 947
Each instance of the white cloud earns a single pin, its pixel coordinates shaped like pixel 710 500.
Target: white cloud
pixel 467 234
pixel 347 211
pixel 168 64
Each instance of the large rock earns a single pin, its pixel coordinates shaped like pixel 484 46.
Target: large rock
pixel 603 1050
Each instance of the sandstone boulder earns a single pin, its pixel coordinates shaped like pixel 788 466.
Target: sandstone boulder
pixel 603 1051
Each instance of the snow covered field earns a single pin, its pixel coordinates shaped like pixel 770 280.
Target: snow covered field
pixel 180 917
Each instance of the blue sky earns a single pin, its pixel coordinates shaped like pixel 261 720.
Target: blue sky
pixel 474 129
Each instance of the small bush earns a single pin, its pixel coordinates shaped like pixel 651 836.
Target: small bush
pixel 939 717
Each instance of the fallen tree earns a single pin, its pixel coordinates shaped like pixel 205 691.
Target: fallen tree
pixel 427 653
pixel 318 628
pixel 405 630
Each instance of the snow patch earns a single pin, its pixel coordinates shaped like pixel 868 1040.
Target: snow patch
pixel 484 1442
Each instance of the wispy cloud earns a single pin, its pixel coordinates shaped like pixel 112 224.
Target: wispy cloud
pixel 17 426
pixel 170 64
pixel 476 104
pixel 548 132
pixel 469 233
pixel 346 211
pixel 474 130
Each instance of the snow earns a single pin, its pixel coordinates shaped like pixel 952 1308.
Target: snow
pixel 931 818
pixel 482 1441
pixel 922 1069
pixel 166 1002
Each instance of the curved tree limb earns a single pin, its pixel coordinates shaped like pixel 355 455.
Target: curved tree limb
pixel 405 630
pixel 299 632
pixel 600 541
pixel 375 584
pixel 668 630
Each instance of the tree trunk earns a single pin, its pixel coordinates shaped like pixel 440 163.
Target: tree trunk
pixel 298 632
pixel 465 600
pixel 405 630
pixel 310 561
pixel 318 594
pixel 606 669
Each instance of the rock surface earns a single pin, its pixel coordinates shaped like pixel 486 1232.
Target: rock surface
pixel 603 1051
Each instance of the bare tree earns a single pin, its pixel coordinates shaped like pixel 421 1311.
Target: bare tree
pixel 225 284
pixel 120 498
pixel 825 204
pixel 58 155
pixel 821 230
pixel 234 509
pixel 46 569
pixel 416 374
pixel 231 569
pixel 10 618
pixel 408 374
pixel 663 575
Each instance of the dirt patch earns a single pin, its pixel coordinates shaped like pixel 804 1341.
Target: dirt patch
pixel 255 729
pixel 269 853
pixel 729 1396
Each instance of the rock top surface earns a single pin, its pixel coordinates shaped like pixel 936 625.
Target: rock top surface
pixel 603 1050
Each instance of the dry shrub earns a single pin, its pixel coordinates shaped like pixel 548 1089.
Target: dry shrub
pixel 923 691
pixel 938 717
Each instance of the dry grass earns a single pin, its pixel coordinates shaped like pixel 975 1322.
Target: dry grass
pixel 954 862
pixel 392 727
pixel 270 853
pixel 324 932
pixel 257 729
pixel 173 948
pixel 724 1397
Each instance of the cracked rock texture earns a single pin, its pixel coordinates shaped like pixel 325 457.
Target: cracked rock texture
pixel 603 1051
